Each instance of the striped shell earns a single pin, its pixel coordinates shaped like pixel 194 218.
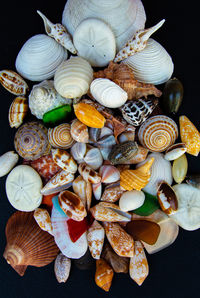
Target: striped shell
pixel 88 115
pixel 17 111
pixel 79 131
pixel 158 133
pixel 60 136
pixel 31 141
pixel 13 82
pixel 64 160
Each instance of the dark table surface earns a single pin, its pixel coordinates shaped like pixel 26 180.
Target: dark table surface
pixel 174 271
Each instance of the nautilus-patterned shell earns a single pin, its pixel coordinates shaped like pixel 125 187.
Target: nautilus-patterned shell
pixel 60 136
pixel 31 141
pixel 17 111
pixel 73 77
pixel 158 133
pixel 27 244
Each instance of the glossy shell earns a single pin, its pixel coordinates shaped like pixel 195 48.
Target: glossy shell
pixel 167 198
pixel 13 82
pixel 60 136
pixel 123 152
pixel 88 173
pixel 103 275
pixel 17 111
pixel 79 131
pixel 175 151
pixel 180 168
pixel 172 95
pixel 131 200
pixel 64 160
pixel 88 115
pixel 109 174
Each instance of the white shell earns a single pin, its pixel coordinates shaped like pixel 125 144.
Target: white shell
pixel 73 77
pixel 7 161
pixel 125 17
pixel 107 93
pixel 39 58
pixel 131 200
pixel 93 158
pixel 95 238
pixel 95 41
pixel 78 151
pixel 152 65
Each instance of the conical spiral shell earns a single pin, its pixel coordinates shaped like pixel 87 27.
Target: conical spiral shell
pixel 27 244
pixel 60 136
pixel 158 133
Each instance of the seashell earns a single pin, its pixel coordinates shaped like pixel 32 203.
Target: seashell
pixel 189 135
pixel 109 174
pixel 84 190
pixel 105 131
pixel 140 156
pixel 121 242
pixel 17 111
pixel 43 220
pixel 103 275
pixel 62 266
pixel 31 141
pixel 137 43
pixel 179 168
pixel 158 133
pixel 119 264
pixel 7 161
pixel 95 237
pixel 59 33
pixel 167 198
pixel 160 171
pixel 123 17
pixel 94 134
pixel 64 160
pixel 136 179
pixel 105 145
pixel 128 135
pixel 88 115
pixel 138 268
pixel 27 244
pixel 13 82
pixel 131 200
pixel 23 186
pixel 78 151
pixel 172 95
pixel 58 183
pixel 73 77
pixel 92 37
pixel 79 131
pixel 93 158
pixel 153 65
pixel 44 98
pixel 60 136
pixel 122 152
pixel 72 250
pixel 136 112
pixel 150 205
pixel 112 193
pixel 97 190
pixel 88 173
pixel 193 180
pixel 86 262
pixel 39 58
pixel 107 93
pixel 175 151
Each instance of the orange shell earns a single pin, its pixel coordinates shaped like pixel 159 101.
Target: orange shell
pixel 190 136
pixel 88 115
pixel 103 275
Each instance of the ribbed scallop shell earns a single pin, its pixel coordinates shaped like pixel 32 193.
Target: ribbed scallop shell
pixel 73 77
pixel 152 65
pixel 17 111
pixel 31 141
pixel 27 244
pixel 60 136
pixel 158 133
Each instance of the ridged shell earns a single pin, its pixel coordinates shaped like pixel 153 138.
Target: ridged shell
pixel 7 161
pixel 31 141
pixel 62 266
pixel 17 111
pixel 158 133
pixel 125 17
pixel 64 160
pixel 73 77
pixel 95 237
pixel 107 93
pixel 60 136
pixel 27 244
pixel 88 115
pixel 152 65
pixel 103 275
pixel 79 131
pixel 13 82
pixel 39 58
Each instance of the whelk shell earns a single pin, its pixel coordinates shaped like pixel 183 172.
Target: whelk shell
pixel 62 266
pixel 88 173
pixel 95 237
pixel 64 160
pixel 60 136
pixel 43 220
pixel 7 161
pixel 175 151
pixel 103 275
pixel 79 131
pixel 13 82
pixel 17 111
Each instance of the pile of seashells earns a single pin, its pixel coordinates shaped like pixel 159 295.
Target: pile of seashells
pixel 94 179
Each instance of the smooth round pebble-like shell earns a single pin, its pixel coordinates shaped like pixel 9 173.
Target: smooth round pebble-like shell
pixel 62 266
pixel 60 136
pixel 131 200
pixel 7 161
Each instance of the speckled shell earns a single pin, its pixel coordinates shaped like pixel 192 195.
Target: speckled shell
pixel 88 115
pixel 17 111
pixel 73 77
pixel 88 173
pixel 62 266
pixel 43 220
pixel 95 237
pixel 31 141
pixel 79 131
pixel 64 160
pixel 60 136
pixel 103 275
pixel 13 82
pixel 112 193
pixel 158 133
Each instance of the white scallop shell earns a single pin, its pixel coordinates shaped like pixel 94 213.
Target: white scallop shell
pixel 125 17
pixel 152 65
pixel 39 58
pixel 107 93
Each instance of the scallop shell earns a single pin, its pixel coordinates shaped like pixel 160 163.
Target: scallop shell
pixel 124 17
pixel 27 244
pixel 17 111
pixel 31 141
pixel 62 266
pixel 79 131
pixel 60 136
pixel 73 77
pixel 64 160
pixel 39 58
pixel 158 133
pixel 7 161
pixel 152 65
pixel 13 82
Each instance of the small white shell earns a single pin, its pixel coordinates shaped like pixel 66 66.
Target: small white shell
pixel 131 200
pixel 7 161
pixel 175 151
pixel 62 266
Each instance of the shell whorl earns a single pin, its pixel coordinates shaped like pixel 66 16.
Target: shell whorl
pixel 60 136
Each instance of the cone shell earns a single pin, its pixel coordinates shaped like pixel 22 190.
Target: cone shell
pixel 103 275
pixel 60 136
pixel 88 115
pixel 95 237
pixel 43 220
pixel 79 131
pixel 112 193
pixel 64 160
pixel 109 174
pixel 27 244
pixel 17 111
pixel 88 173
pixel 62 266
pixel 13 82
pixel 158 133
pixel 84 190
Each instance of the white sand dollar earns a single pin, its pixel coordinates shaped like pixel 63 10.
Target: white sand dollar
pixel 23 187
pixel 131 200
pixel 95 41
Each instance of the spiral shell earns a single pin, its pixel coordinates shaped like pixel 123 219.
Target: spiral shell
pixel 31 141
pixel 60 136
pixel 158 133
pixel 17 111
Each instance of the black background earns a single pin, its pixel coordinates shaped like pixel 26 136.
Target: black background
pixel 174 271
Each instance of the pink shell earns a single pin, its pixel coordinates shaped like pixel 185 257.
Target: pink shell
pixel 109 174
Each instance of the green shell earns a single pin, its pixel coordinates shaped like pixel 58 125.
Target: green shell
pixel 150 205
pixel 57 116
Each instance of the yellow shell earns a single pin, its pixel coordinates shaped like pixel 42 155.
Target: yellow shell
pixel 136 179
pixel 60 136
pixel 17 111
pixel 103 275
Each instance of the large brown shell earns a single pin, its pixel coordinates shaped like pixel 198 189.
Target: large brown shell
pixel 27 244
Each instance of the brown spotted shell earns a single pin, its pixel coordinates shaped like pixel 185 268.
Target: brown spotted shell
pixel 17 111
pixel 79 131
pixel 60 136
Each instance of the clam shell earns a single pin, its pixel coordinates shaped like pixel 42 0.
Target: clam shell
pixel 95 237
pixel 175 151
pixel 60 136
pixel 7 161
pixel 62 266
pixel 78 151
pixel 109 174
pixel 88 173
pixel 103 275
pixel 93 158
pixel 13 82
pixel 64 160
pixel 39 58
pixel 79 131
pixel 17 111
pixel 43 220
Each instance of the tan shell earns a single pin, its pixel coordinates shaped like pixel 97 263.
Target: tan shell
pixel 79 131
pixel 88 173
pixel 43 220
pixel 64 160
pixel 60 136
pixel 62 266
pixel 13 82
pixel 95 237
pixel 119 264
pixel 17 111
pixel 112 193
pixel 84 190
pixel 103 275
